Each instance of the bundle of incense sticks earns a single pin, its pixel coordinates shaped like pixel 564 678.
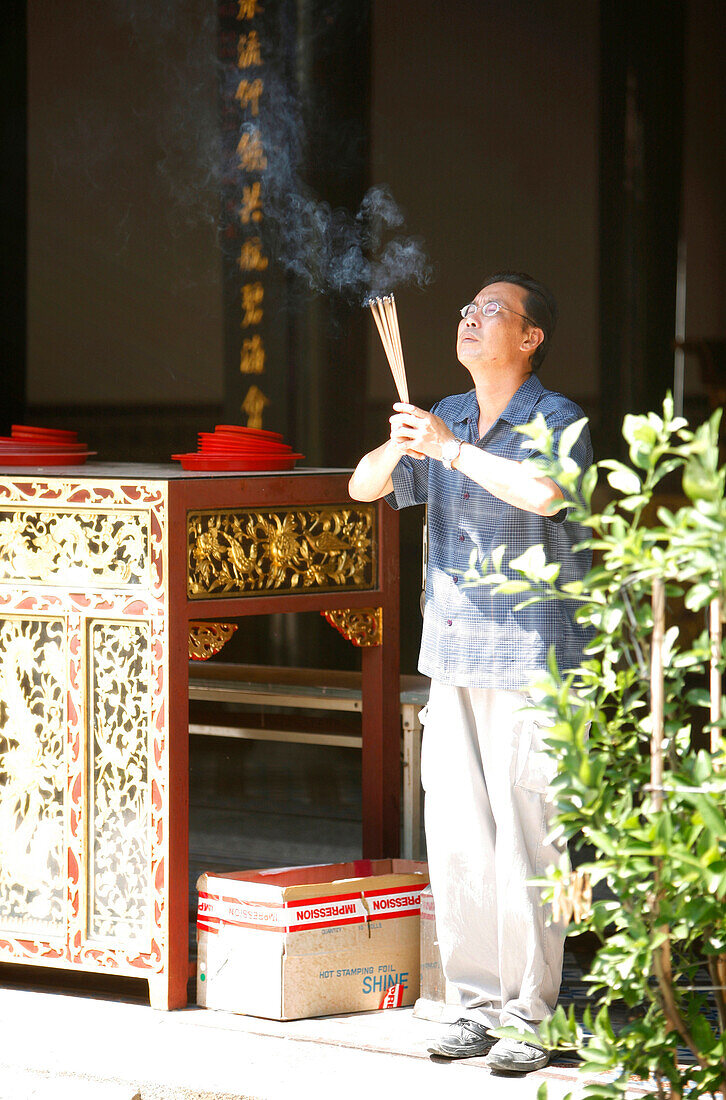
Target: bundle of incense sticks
pixel 386 318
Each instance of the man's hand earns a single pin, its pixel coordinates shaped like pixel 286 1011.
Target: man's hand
pixel 372 476
pixel 418 433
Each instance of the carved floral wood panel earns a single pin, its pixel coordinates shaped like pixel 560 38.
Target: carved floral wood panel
pixel 32 775
pixel 83 687
pixel 248 551
pixel 81 534
pixel 119 819
pixel 78 550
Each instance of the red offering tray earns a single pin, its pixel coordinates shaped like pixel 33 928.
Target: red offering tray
pixel 195 461
pixel 26 431
pixel 238 429
pixel 232 447
pixel 212 443
pixel 30 446
pixel 44 458
pixel 211 449
pixel 8 444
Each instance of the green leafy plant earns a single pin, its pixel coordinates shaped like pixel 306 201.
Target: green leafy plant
pixel 657 830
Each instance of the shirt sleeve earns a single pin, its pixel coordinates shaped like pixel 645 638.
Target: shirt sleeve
pixel 410 479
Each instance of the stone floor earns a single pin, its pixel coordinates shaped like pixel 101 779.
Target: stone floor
pixel 58 1044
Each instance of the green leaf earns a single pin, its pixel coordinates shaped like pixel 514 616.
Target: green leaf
pixel 624 480
pixel 497 556
pixel 570 436
pixel 712 818
pixel 699 697
pixel 637 429
pixel 698 596
pixel 512 588
pixel 702 1033
pixel 589 481
pixel 533 563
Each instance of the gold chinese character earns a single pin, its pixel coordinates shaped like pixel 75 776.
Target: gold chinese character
pixel 253 405
pixel 248 93
pixel 248 9
pixel 248 50
pixel 252 359
pixel 251 257
pixel 251 208
pixel 252 295
pixel 251 152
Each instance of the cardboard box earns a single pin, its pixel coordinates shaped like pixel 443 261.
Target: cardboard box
pixel 438 998
pixel 292 942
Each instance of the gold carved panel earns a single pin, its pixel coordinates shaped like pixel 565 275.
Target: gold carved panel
pixel 247 551
pixel 79 549
pixel 32 775
pixel 119 827
pixel 362 626
pixel 208 639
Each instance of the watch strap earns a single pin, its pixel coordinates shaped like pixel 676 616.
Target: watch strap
pixel 451 451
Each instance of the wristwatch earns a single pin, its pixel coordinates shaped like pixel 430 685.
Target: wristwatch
pixel 451 451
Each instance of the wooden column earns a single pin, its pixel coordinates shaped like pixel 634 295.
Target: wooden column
pixel 715 631
pixel 641 128
pixel 13 216
pixel 656 692
pixel 170 990
pixel 381 710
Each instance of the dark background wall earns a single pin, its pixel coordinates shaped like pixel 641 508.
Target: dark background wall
pixel 704 174
pixel 492 153
pixel 486 127
pixel 124 296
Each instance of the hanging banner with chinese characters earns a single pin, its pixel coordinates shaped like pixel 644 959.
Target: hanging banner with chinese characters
pixel 254 293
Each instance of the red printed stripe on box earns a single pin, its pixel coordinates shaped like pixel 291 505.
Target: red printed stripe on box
pixel 215 910
pixel 400 902
pixel 325 913
pixel 300 916
pixel 393 997
pixel 207 919
pixel 291 917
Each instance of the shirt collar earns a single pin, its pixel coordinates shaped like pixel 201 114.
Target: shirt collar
pixel 518 410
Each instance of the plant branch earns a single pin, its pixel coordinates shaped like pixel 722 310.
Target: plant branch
pixel 664 977
pixel 717 970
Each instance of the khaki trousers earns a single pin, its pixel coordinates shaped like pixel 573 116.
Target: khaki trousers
pixel 485 773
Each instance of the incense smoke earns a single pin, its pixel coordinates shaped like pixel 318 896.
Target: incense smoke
pixel 327 249
pixel 336 251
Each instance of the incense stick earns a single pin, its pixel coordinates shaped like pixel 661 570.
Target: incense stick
pixel 389 323
pixel 391 343
pixel 399 349
pixel 386 318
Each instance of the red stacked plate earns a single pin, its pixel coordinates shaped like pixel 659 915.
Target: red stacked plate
pixel 231 447
pixel 27 446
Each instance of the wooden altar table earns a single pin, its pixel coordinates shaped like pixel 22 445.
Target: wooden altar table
pixel 109 575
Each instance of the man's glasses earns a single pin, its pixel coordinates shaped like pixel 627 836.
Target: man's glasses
pixel 490 309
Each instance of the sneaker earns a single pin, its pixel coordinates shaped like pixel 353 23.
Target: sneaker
pixel 464 1039
pixel 514 1056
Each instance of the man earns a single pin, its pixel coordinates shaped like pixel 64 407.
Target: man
pixel 485 769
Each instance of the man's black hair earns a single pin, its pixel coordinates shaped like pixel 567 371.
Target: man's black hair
pixel 539 305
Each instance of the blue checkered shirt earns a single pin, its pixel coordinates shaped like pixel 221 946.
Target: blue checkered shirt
pixel 473 637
